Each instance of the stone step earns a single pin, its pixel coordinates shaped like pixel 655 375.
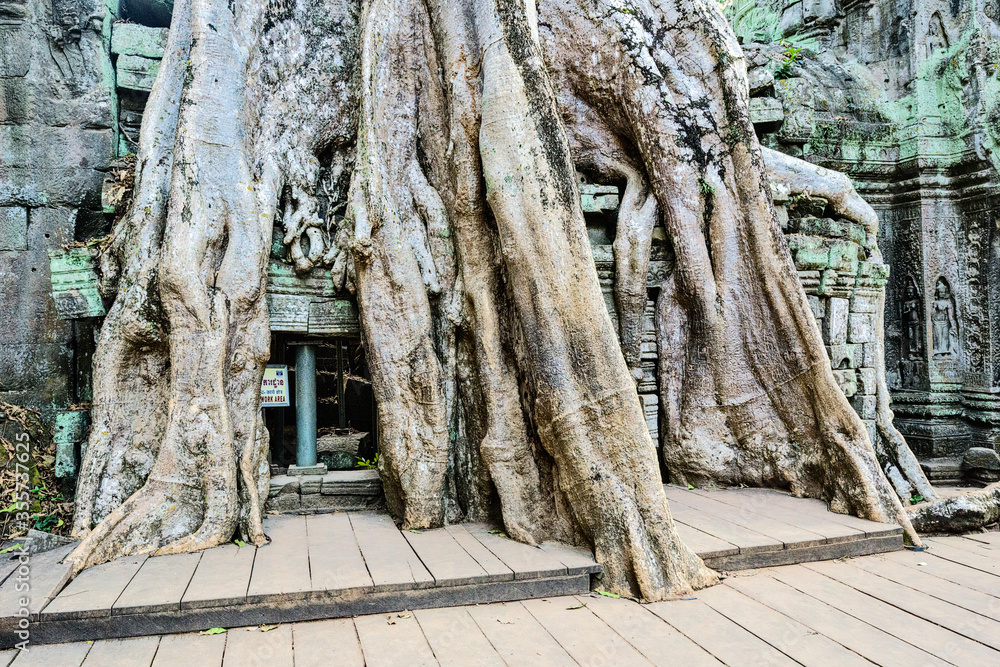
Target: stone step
pixel 338 489
pixel 944 470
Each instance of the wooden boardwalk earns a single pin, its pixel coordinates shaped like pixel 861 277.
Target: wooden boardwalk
pixel 738 529
pixel 348 564
pixel 938 607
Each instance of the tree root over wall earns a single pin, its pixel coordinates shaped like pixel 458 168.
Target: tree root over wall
pixel 502 388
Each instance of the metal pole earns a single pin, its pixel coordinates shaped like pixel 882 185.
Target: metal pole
pixel 305 405
pixel 341 400
pixel 284 450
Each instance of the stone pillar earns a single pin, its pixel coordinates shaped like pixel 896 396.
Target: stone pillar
pixel 305 405
pixel 931 360
pixel 980 320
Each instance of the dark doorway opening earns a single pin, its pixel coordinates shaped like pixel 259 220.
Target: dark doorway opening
pixel 345 409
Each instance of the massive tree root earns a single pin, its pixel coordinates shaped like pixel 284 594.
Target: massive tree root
pixel 177 458
pixel 494 361
pixel 185 311
pixel 797 177
pixel 746 386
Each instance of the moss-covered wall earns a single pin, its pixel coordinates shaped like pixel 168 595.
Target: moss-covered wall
pixel 904 96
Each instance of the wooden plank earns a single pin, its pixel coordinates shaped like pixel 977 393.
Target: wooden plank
pixel 518 637
pixel 863 546
pixel 221 577
pixel 391 562
pixel 705 545
pixel 247 647
pixel 493 566
pixel 942 548
pixel 945 569
pixel 134 652
pixel 789 535
pixel 8 565
pixel 658 642
pixel 50 655
pixel 792 638
pixel 956 619
pixel 323 642
pixel 775 505
pixel 931 638
pixel 747 540
pixel 159 584
pixel 281 567
pixel 527 562
pixel 578 560
pixel 918 578
pixel 335 561
pixel 190 650
pixel 95 590
pixel 717 634
pixel 818 509
pixel 456 639
pixel 584 635
pixel 966 543
pixel 444 558
pixel 991 538
pixel 393 639
pixel 47 576
pixel 826 619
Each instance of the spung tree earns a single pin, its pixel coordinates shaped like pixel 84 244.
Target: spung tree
pixel 500 382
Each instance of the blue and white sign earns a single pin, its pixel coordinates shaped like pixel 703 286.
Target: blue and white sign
pixel 274 387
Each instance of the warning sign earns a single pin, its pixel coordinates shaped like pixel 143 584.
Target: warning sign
pixel 274 387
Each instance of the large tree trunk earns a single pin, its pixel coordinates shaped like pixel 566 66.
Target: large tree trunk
pixel 186 308
pixel 494 361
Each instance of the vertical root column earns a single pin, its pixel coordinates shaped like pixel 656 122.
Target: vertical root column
pixel 393 263
pixel 586 407
pixel 210 276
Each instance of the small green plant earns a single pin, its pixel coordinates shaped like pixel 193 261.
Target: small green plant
pixel 366 464
pixel 47 522
pixel 790 56
pixel 706 187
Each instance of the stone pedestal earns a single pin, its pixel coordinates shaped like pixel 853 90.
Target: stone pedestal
pixel 931 422
pixel 339 452
pixel 982 412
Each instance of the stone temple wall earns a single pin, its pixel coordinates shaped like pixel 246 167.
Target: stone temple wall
pixel 56 139
pixel 904 98
pixel 844 281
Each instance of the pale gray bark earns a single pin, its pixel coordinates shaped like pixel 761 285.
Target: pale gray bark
pixel 494 360
pixel 797 177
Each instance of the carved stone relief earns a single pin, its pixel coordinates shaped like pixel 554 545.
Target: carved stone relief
pixel 937 35
pixel 944 325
